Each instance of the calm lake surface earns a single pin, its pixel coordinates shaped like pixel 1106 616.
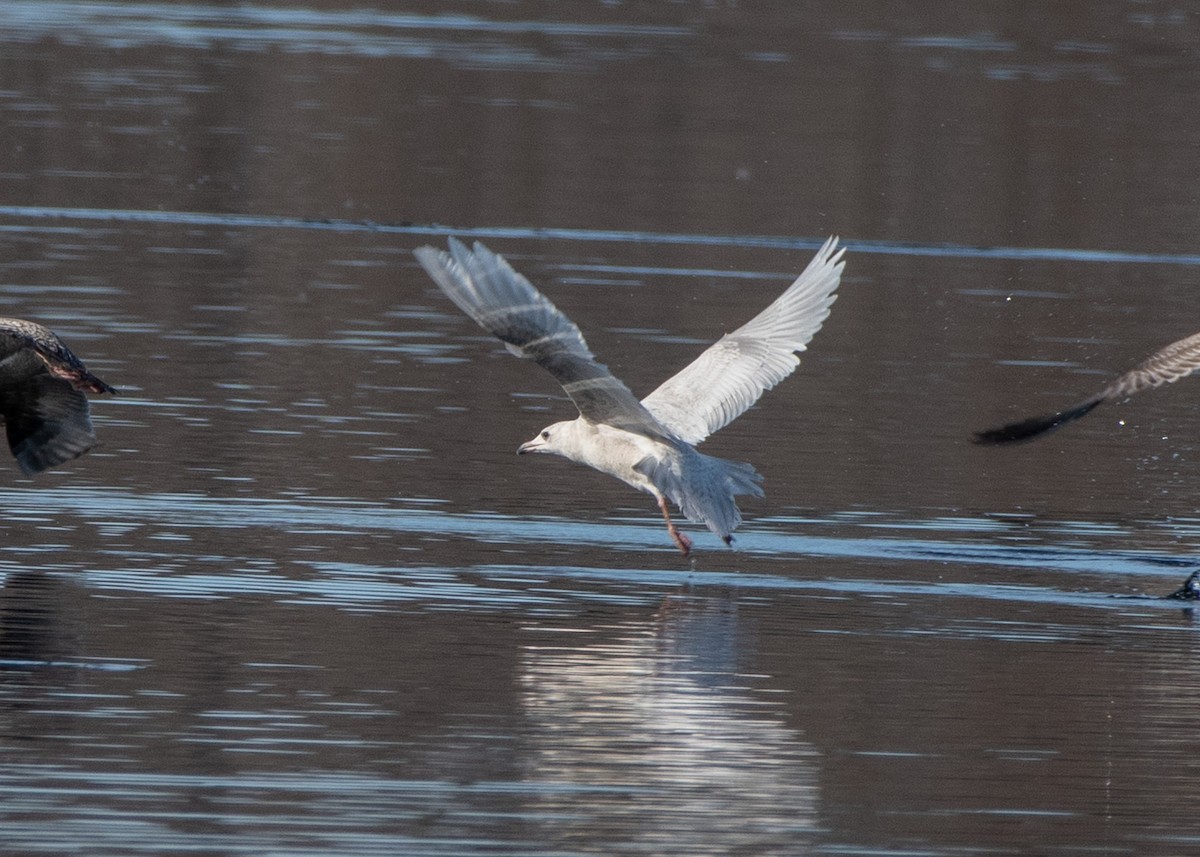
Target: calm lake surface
pixel 305 600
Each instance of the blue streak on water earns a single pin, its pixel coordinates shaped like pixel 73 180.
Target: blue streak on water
pixel 849 587
pixel 533 590
pixel 349 588
pixel 976 42
pixel 360 584
pixel 163 19
pixel 464 41
pixel 777 242
pixel 314 813
pixel 100 666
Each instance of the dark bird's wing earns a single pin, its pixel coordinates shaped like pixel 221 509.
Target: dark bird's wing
pixel 42 399
pixel 1177 360
pixel 46 421
pixel 505 304
pixel 732 373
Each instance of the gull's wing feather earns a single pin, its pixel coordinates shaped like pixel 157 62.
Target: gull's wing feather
pixel 1177 360
pixel 731 375
pixel 505 304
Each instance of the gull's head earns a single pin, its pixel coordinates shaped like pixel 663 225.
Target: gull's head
pixel 550 439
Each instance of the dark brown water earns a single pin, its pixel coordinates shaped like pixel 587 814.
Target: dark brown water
pixel 305 600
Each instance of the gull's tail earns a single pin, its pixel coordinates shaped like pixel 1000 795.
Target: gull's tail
pixel 704 487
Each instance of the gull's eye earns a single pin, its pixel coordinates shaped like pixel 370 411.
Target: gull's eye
pixel 546 435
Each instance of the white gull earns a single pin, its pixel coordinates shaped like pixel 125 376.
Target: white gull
pixel 650 444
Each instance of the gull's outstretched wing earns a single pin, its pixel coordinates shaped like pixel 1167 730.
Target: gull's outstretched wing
pixel 505 304
pixel 42 403
pixel 1177 360
pixel 731 375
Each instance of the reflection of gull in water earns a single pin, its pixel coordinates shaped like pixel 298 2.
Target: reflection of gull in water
pixel 1177 360
pixel 654 742
pixel 42 401
pixel 647 444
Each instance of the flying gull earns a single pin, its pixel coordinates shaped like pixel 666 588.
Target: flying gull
pixel 651 444
pixel 42 396
pixel 1177 360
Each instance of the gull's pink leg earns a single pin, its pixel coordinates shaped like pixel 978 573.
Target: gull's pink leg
pixel 685 544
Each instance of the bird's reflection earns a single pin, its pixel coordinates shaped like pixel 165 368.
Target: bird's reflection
pixel 30 631
pixel 654 735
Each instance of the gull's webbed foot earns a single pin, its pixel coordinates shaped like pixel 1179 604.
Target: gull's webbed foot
pixel 685 544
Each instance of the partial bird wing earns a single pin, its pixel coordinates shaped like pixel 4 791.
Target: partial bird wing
pixel 735 371
pixel 46 421
pixel 504 303
pixel 42 396
pixel 1177 360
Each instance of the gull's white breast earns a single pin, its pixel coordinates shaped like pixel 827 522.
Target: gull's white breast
pixel 614 451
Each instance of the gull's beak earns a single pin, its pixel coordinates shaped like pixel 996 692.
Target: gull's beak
pixel 535 445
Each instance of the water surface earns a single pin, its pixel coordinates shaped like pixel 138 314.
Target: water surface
pixel 304 599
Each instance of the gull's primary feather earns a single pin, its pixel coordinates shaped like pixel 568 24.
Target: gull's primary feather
pixel 734 372
pixel 504 303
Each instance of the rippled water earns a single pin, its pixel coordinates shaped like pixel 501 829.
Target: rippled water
pixel 304 598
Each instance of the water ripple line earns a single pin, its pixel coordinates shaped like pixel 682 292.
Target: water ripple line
pixel 334 516
pixel 551 233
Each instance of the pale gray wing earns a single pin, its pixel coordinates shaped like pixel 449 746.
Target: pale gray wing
pixel 733 373
pixel 505 304
pixel 1177 360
